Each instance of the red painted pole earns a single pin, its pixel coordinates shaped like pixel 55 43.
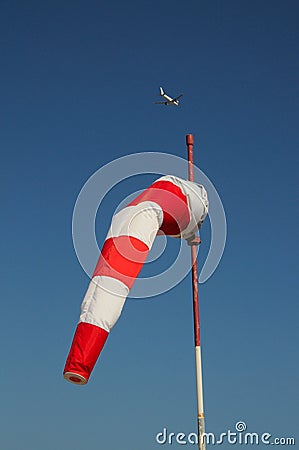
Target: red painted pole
pixel 194 242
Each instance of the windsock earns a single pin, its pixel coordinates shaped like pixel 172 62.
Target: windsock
pixel 170 206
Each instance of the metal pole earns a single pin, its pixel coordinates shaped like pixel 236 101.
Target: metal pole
pixel 194 242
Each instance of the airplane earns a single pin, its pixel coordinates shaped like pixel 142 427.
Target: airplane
pixel 168 100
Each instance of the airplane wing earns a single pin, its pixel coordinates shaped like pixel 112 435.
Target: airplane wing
pixel 160 103
pixel 179 96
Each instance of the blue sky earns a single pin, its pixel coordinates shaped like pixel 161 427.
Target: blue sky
pixel 78 81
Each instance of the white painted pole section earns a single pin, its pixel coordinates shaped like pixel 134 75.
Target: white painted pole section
pixel 199 380
pixel 199 390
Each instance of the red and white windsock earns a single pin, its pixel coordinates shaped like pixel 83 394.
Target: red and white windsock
pixel 171 206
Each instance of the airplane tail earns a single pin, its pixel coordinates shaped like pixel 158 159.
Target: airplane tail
pixel 161 91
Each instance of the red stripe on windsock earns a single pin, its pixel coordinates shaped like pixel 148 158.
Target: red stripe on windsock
pixel 86 347
pixel 122 258
pixel 176 214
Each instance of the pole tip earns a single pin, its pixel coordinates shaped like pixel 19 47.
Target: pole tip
pixel 189 139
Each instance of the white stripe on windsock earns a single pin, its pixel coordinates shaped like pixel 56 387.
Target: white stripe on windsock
pixel 103 302
pixel 141 221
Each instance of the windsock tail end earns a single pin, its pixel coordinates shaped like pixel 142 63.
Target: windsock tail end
pixel 86 347
pixel 74 378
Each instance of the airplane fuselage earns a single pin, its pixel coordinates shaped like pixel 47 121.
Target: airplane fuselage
pixel 169 100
